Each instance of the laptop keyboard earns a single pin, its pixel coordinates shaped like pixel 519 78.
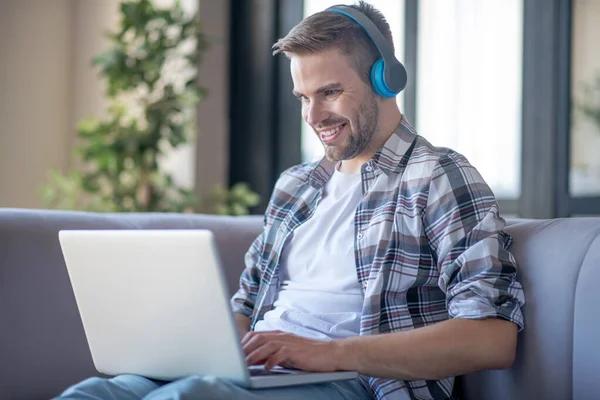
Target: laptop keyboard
pixel 264 372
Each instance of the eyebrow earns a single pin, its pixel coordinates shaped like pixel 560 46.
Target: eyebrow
pixel 330 86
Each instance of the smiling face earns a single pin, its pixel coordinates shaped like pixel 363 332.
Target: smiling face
pixel 340 107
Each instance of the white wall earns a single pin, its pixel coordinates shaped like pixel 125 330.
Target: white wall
pixel 35 95
pixel 90 20
pixel 46 86
pixel 212 146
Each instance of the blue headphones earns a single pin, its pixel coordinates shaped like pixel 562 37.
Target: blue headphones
pixel 388 75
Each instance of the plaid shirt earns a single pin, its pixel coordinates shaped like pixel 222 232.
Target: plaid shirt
pixel 429 245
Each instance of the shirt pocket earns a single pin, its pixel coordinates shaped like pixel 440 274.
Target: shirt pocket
pixel 381 223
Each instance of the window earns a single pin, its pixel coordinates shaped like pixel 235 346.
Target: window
pixel 469 85
pixel 584 174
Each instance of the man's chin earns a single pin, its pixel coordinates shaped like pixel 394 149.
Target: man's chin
pixel 332 155
pixel 335 155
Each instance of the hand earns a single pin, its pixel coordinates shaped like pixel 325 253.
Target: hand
pixel 289 351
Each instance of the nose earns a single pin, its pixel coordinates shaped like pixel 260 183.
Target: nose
pixel 314 113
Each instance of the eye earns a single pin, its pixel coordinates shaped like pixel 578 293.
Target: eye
pixel 332 92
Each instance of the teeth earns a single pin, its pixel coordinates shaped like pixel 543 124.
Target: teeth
pixel 331 132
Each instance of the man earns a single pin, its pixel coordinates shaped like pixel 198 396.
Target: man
pixel 387 257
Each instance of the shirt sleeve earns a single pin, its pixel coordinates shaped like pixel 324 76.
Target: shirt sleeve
pixel 465 232
pixel 244 300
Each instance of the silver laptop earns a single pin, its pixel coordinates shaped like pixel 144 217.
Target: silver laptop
pixel 154 303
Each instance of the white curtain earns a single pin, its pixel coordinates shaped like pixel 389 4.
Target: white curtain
pixel 469 84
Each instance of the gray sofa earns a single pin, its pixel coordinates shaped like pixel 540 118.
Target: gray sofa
pixel 43 348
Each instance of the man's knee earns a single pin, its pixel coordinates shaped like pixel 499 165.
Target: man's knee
pixel 122 387
pixel 82 389
pixel 92 381
pixel 194 387
pixel 210 380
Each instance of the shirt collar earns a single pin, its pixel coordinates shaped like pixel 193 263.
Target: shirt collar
pixel 390 159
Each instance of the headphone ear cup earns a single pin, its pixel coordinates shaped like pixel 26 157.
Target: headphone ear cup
pixel 378 80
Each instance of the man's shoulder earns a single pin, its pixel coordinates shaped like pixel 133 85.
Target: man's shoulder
pixel 289 187
pixel 300 171
pixel 295 176
pixel 429 160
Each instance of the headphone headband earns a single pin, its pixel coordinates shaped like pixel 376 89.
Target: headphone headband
pixel 370 28
pixel 388 75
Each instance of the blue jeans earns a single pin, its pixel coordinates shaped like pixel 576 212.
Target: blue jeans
pixel 128 387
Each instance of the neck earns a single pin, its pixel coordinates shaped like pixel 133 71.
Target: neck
pixel 389 119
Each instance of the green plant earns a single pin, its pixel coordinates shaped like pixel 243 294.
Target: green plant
pixel 590 105
pixel 150 71
pixel 235 201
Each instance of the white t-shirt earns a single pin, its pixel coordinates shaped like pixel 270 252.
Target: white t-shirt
pixel 320 295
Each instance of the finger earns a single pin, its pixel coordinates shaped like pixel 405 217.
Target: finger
pixel 288 364
pixel 254 342
pixel 281 357
pixel 247 337
pixel 259 338
pixel 261 354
